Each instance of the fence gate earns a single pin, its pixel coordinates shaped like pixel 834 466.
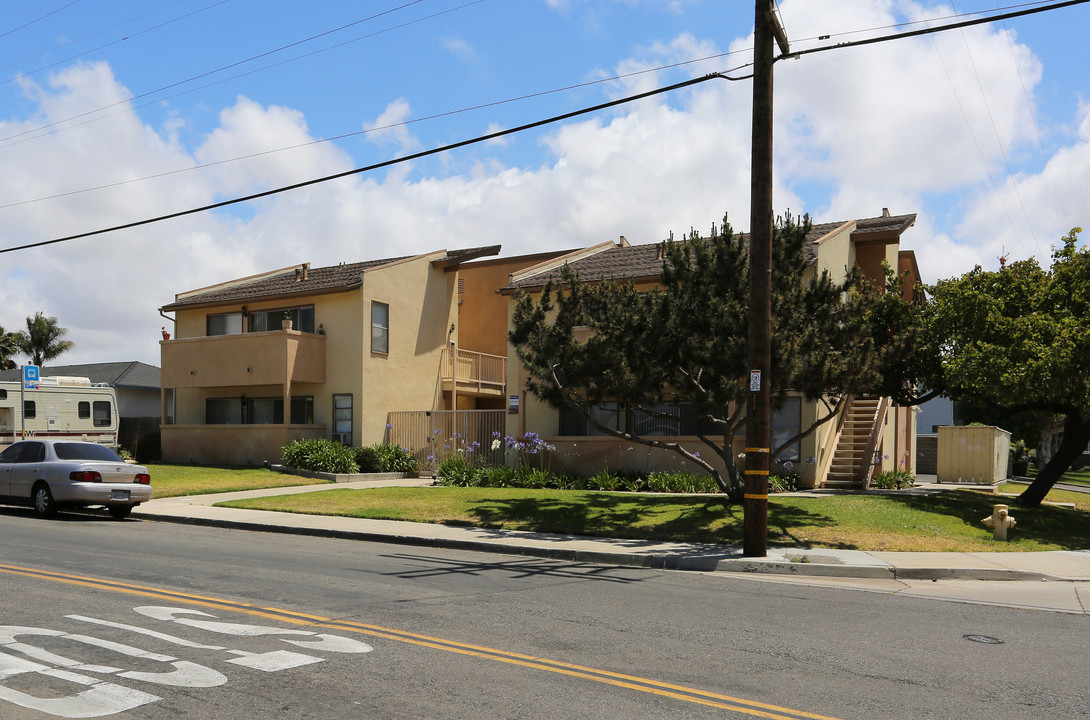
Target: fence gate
pixel 433 435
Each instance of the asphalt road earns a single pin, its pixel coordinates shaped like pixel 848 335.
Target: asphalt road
pixel 106 621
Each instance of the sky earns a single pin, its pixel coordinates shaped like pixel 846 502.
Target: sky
pixel 113 112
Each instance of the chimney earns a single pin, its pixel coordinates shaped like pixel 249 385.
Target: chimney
pixel 885 212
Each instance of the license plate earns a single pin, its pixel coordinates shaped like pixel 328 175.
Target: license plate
pixel 119 494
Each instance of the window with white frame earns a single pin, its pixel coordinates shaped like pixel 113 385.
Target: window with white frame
pixel 342 418
pixel 380 327
pixel 224 324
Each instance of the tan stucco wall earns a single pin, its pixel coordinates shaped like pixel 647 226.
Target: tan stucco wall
pixel 422 307
pixel 836 253
pixel 482 312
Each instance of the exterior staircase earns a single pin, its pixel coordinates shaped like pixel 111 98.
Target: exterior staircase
pixel 851 465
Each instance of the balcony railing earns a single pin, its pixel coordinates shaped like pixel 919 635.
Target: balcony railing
pixel 261 358
pixel 474 372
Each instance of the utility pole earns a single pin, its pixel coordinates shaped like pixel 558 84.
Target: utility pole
pixel 759 412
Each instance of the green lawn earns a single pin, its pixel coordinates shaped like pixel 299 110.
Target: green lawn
pixel 946 522
pixel 177 480
pixel 1072 477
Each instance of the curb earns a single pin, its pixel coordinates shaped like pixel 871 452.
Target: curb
pixel 742 565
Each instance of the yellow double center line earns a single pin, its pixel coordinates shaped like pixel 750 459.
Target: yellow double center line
pixel 631 682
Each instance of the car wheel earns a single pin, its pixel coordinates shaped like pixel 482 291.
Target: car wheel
pixel 120 512
pixel 44 505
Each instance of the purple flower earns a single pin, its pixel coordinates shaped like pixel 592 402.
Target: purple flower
pixel 389 426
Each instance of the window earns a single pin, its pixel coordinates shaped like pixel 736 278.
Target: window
pixel 302 319
pixel 84 410
pixel 25 452
pixel 785 425
pixel 12 452
pixel 84 451
pixel 226 324
pixel 380 327
pixel 342 418
pixel 102 413
pixel 223 411
pixel 3 394
pixel 30 411
pixel 257 411
pixel 681 419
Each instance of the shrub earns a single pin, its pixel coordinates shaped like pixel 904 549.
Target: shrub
pixel 495 476
pixel 783 483
pixel 319 455
pixel 533 478
pixel 680 482
pixel 456 471
pixel 367 459
pixel 893 480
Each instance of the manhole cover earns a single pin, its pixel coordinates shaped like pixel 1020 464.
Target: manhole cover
pixel 986 639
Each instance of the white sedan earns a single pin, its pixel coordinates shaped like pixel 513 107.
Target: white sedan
pixel 48 473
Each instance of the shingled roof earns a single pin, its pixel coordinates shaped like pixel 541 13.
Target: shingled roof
pixel 131 374
pixel 305 280
pixel 644 262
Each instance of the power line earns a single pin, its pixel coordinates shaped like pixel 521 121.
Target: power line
pixel 38 19
pixel 925 22
pixel 931 30
pixel 386 163
pixel 1037 131
pixel 404 123
pixel 225 67
pixel 109 44
pixel 74 41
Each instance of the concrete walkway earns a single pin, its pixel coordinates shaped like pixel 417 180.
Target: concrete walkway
pixel 1058 581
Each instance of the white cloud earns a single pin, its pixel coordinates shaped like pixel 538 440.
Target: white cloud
pixel 388 129
pixel 460 48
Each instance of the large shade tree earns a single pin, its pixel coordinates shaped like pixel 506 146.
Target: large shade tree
pixel 588 340
pixel 1017 340
pixel 43 340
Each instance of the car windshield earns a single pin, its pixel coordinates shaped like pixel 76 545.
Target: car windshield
pixel 85 451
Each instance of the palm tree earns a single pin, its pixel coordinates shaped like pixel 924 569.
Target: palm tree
pixel 42 341
pixel 9 345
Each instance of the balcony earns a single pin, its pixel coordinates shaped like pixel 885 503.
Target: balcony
pixel 279 357
pixel 474 373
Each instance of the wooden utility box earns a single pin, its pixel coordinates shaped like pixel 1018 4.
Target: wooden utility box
pixel 973 454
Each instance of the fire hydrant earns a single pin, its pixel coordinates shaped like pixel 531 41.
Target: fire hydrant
pixel 999 521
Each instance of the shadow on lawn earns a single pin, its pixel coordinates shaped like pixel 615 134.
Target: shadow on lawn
pixel 1067 528
pixel 703 519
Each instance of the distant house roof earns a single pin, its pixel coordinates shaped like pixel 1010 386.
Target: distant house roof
pixel 132 374
pixel 644 262
pixel 305 280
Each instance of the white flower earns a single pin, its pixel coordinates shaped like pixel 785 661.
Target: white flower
pixel 496 444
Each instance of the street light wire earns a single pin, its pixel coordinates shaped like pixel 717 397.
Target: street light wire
pixel 385 163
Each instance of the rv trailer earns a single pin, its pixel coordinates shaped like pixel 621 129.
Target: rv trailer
pixel 62 407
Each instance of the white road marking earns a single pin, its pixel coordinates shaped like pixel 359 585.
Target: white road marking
pixel 144 631
pixel 274 661
pixel 101 699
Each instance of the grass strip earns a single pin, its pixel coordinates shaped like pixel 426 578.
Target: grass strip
pixel 179 480
pixel 950 521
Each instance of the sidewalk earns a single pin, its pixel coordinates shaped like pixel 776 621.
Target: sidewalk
pixel 1066 573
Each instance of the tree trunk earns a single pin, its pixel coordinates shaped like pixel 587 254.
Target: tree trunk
pixel 1076 436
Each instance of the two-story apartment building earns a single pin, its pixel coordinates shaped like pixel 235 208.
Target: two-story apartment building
pixel 335 352
pixel 838 453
